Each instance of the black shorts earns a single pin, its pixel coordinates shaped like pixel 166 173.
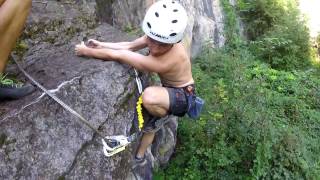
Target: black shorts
pixel 178 107
pixel 178 100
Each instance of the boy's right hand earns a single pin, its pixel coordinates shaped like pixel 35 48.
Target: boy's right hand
pixel 92 43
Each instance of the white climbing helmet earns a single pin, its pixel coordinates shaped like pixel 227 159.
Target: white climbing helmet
pixel 165 21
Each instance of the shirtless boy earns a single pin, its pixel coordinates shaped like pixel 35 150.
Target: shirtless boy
pixel 163 25
pixel 13 14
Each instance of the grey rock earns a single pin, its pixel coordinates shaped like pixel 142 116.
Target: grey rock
pixel 205 19
pixel 41 140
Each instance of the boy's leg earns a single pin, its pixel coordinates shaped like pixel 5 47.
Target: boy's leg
pixel 13 14
pixel 146 140
pixel 156 101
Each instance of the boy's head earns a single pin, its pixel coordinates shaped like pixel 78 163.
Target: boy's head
pixel 165 22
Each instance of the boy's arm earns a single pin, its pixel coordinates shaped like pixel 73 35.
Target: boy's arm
pixel 141 62
pixel 135 45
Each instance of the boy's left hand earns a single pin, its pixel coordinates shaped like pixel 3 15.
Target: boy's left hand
pixel 80 49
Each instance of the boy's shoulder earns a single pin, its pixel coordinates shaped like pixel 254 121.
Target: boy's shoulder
pixel 178 51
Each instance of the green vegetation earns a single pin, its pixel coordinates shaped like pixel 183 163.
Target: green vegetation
pixel 133 31
pixel 4 79
pixel 21 48
pixel 262 113
pixel 279 36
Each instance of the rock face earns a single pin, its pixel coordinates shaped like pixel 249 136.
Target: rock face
pixel 41 140
pixel 205 19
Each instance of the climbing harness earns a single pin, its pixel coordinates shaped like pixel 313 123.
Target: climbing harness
pixel 111 144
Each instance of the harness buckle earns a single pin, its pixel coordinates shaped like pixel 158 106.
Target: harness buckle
pixel 189 89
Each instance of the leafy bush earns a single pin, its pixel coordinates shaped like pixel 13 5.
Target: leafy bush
pixel 318 39
pixel 261 15
pixel 259 121
pixel 279 35
pixel 284 47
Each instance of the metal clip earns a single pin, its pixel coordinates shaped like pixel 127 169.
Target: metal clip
pixel 138 81
pixel 116 144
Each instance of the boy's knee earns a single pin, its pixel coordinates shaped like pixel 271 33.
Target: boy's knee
pixel 149 97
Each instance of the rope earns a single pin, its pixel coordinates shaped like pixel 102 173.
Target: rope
pixel 65 106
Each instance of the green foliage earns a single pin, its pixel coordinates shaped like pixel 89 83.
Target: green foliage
pixel 315 51
pixel 133 31
pixel 285 47
pixel 232 26
pixel 4 79
pixel 20 48
pixel 261 15
pixel 259 121
pixel 318 39
pixel 279 36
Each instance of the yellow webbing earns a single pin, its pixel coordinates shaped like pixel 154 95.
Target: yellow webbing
pixel 139 112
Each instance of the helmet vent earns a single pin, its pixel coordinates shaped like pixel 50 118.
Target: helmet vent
pixel 175 10
pixel 157 14
pixel 172 2
pixel 164 6
pixel 174 21
pixel 173 34
pixel 149 25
